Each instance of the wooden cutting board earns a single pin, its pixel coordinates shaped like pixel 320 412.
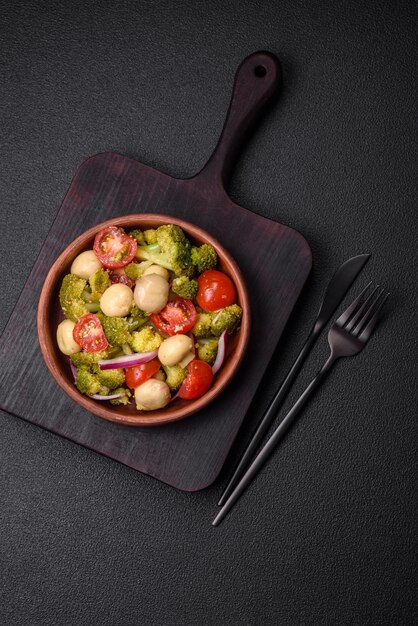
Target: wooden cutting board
pixel 275 261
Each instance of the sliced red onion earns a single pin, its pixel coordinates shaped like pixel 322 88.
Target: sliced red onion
pixel 127 360
pixel 73 369
pixel 176 395
pixel 97 396
pixel 193 338
pixel 220 356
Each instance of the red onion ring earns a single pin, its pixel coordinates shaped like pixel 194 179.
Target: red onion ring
pixel 73 369
pixel 193 338
pixel 220 356
pixel 127 360
pixel 97 396
pixel 176 395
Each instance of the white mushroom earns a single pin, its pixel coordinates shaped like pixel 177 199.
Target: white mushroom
pixel 117 300
pixel 85 264
pixel 151 293
pixel 65 338
pixel 157 269
pixel 151 395
pixel 174 349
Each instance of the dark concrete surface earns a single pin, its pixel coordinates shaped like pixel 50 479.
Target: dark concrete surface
pixel 327 533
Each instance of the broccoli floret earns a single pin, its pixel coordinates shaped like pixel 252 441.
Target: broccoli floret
pixel 204 257
pixel 189 271
pixel 207 349
pixel 208 324
pixel 136 318
pixel 138 235
pixel 111 379
pixel 227 319
pixel 89 359
pixel 184 287
pixel 150 236
pixel 203 325
pixel 136 270
pixel 170 250
pixel 87 382
pixel 70 296
pixel 136 311
pixel 132 271
pixel 124 399
pixel 145 340
pixel 91 305
pixel 99 282
pixel 116 329
pixel 175 376
pixel 90 379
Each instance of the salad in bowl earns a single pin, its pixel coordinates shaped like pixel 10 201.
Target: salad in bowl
pixel 151 319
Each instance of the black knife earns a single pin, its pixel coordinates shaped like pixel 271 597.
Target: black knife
pixel 335 292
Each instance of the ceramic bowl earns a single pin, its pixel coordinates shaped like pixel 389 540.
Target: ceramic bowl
pixel 49 316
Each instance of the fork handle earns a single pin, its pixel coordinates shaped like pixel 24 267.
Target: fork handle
pixel 269 414
pixel 277 436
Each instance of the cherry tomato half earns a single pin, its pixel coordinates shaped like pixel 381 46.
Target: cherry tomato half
pixel 113 247
pixel 215 290
pixel 178 316
pixel 119 276
pixel 89 334
pixel 198 381
pixel 139 374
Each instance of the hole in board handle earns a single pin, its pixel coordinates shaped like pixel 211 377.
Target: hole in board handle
pixel 260 71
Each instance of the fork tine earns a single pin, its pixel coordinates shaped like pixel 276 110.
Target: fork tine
pixel 367 331
pixel 353 307
pixel 359 313
pixel 367 314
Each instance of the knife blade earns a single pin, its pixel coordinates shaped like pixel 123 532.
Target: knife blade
pixel 338 286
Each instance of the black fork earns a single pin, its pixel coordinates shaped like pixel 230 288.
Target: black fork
pixel 347 336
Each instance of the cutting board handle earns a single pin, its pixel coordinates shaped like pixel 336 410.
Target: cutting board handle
pixel 256 80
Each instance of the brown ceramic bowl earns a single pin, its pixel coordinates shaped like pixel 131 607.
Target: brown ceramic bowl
pixel 49 316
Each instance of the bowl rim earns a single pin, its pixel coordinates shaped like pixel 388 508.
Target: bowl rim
pixel 160 416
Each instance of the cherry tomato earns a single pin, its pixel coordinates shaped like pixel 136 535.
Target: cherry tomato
pixel 89 334
pixel 198 381
pixel 178 316
pixel 138 374
pixel 215 290
pixel 119 276
pixel 113 247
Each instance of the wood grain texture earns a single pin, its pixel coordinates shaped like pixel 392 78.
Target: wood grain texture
pixel 274 259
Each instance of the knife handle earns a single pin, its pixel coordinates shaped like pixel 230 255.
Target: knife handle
pixel 256 80
pixel 275 438
pixel 269 415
